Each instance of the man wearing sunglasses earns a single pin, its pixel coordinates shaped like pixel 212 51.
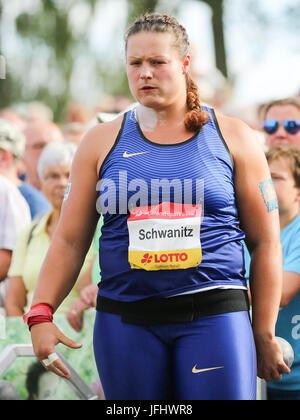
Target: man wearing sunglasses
pixel 282 122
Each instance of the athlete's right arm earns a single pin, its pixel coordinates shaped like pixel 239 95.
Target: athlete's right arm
pixel 72 238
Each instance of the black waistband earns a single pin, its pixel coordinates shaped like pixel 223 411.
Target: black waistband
pixel 183 308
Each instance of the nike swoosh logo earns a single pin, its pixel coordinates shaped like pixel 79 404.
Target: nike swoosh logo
pixel 195 370
pixel 127 155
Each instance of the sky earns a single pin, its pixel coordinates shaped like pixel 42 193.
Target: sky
pixel 263 60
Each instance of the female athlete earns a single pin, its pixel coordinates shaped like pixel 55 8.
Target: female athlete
pixel 179 186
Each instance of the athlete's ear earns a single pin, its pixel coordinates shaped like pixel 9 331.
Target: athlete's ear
pixel 186 64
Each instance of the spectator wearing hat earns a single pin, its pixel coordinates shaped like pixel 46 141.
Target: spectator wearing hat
pixel 12 147
pixel 13 117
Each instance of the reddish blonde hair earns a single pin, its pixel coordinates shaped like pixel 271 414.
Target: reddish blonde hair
pixel 195 118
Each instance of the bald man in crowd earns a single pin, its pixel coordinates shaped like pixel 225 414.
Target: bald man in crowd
pixel 38 134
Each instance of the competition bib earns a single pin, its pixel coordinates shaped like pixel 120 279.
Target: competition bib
pixel 165 236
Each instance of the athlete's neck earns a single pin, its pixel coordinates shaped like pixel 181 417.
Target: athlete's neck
pixel 151 119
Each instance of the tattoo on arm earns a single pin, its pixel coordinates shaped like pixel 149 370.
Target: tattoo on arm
pixel 269 194
pixel 67 191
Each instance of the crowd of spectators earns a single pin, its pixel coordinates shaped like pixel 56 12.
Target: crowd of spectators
pixel 35 159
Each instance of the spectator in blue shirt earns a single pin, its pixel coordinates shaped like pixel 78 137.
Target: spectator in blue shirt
pixel 284 164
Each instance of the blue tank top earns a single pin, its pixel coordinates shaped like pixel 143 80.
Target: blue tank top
pixel 138 175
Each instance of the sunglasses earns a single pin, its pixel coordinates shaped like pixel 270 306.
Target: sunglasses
pixel 291 126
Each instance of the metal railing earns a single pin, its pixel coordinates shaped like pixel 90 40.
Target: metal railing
pixel 12 351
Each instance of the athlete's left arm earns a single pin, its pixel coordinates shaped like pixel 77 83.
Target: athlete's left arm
pixel 258 212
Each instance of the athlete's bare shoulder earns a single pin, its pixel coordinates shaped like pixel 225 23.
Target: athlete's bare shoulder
pixel 239 137
pixel 99 140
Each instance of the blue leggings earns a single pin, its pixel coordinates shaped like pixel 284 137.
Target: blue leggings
pixel 211 358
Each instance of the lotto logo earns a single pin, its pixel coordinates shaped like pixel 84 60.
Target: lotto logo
pixel 164 258
pixel 146 259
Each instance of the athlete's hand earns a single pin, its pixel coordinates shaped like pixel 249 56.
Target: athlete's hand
pixel 270 364
pixel 45 336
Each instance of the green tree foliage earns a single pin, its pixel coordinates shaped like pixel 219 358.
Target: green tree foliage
pixel 46 34
pixel 137 8
pixel 218 31
pixel 50 27
pixel 48 31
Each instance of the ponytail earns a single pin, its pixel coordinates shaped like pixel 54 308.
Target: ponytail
pixel 195 118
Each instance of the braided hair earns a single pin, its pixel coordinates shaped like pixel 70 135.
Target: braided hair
pixel 195 118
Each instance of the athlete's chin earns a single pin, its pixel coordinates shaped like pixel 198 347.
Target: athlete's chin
pixel 151 102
